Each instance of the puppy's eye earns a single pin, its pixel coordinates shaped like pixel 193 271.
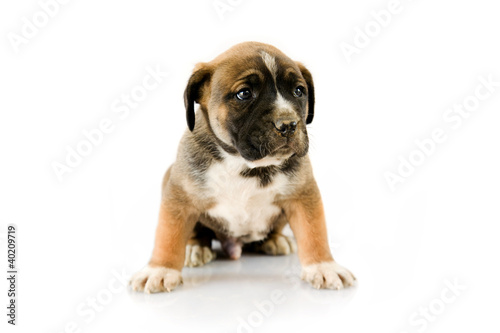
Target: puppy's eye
pixel 298 92
pixel 244 94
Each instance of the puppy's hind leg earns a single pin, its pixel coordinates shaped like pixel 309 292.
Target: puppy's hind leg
pixel 277 244
pixel 199 247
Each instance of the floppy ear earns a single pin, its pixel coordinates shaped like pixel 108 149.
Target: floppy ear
pixel 310 92
pixel 193 92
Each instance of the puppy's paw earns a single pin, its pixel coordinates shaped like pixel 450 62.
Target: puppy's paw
pixel 197 255
pixel 327 275
pixel 156 279
pixel 278 244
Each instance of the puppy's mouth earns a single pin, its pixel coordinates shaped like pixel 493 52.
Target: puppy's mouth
pixel 271 154
pixel 285 149
pixel 274 158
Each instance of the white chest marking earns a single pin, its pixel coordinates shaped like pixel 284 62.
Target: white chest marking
pixel 247 208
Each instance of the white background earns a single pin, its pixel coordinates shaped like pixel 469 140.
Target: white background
pixel 440 225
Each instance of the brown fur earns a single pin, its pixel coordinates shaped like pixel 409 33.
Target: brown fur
pixel 184 201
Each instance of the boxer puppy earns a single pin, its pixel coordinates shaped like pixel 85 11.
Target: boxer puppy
pixel 242 171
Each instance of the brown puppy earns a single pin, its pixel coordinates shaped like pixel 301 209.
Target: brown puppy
pixel 242 171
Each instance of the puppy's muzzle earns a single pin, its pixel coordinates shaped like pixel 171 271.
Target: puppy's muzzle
pixel 285 126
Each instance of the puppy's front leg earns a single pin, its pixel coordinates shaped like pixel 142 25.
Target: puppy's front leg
pixel 307 220
pixel 163 273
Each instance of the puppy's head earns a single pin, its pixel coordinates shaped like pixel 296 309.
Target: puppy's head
pixel 256 100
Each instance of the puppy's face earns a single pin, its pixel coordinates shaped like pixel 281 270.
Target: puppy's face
pixel 256 100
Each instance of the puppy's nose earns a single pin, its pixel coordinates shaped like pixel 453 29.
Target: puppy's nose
pixel 286 127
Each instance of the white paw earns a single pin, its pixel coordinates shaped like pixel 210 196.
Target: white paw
pixel 279 245
pixel 197 255
pixel 327 275
pixel 156 279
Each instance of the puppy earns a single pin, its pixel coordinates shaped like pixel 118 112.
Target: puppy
pixel 242 171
